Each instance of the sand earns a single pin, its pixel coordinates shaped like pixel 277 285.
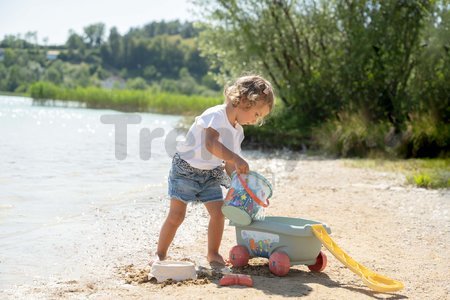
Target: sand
pixel 393 228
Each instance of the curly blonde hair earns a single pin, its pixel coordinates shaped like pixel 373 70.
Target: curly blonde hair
pixel 249 89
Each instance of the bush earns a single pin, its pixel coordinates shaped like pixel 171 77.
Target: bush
pixel 350 136
pixel 424 137
pixel 137 83
pixel 422 180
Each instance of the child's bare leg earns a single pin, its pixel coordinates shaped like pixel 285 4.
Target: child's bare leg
pixel 215 231
pixel 174 219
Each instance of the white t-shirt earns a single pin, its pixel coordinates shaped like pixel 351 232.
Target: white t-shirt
pixel 193 149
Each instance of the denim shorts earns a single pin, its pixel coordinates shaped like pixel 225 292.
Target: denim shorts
pixel 189 184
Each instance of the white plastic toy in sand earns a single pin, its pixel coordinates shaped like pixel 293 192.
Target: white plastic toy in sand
pixel 175 270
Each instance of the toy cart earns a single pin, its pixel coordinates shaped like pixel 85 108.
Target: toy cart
pixel 284 241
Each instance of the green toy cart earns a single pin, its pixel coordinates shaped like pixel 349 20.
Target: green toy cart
pixel 284 241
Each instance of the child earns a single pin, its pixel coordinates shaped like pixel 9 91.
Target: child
pixel 214 139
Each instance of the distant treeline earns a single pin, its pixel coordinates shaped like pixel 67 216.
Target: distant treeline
pixel 159 53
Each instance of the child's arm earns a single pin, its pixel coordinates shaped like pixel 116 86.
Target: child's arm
pixel 229 168
pixel 218 149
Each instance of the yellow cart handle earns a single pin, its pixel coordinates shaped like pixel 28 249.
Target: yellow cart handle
pixel 373 280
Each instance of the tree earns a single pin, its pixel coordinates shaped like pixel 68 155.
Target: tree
pixel 112 51
pixel 3 77
pixel 76 47
pixel 31 37
pixel 322 56
pixel 10 58
pixel 137 83
pixel 16 77
pixel 290 42
pixel 431 76
pixel 196 65
pixel 381 42
pixel 94 34
pixel 54 73
pixel 75 41
pixel 12 41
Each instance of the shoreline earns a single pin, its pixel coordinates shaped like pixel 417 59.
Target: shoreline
pixel 397 230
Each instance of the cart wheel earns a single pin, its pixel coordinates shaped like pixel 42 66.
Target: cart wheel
pixel 279 263
pixel 321 263
pixel 239 256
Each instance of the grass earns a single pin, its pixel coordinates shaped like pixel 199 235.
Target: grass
pixel 426 173
pixel 3 93
pixel 149 100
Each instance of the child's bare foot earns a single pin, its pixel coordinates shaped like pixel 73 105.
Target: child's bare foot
pixel 215 258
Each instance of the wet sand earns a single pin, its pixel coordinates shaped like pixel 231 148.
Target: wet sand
pixel 395 229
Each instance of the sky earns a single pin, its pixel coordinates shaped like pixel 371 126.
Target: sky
pixel 53 19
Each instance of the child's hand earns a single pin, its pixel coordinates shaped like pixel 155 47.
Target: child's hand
pixel 241 165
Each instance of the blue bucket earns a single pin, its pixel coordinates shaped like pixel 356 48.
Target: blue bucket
pixel 247 197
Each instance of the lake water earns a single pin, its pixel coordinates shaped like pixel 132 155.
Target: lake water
pixel 58 172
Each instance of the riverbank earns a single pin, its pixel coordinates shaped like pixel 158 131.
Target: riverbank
pixel 149 100
pixel 395 229
pixel 15 94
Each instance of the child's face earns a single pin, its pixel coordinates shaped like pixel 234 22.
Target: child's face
pixel 252 115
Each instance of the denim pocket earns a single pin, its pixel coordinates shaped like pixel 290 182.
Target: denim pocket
pixel 180 171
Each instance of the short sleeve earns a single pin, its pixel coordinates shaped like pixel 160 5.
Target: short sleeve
pixel 212 120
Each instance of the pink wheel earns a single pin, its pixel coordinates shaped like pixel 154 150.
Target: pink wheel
pixel 279 263
pixel 239 256
pixel 321 263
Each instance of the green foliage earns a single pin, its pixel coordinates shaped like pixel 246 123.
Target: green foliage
pixel 425 137
pixel 422 180
pixel 22 67
pixel 125 100
pixel 351 135
pixel 430 78
pixel 381 41
pixel 431 179
pixel 157 51
pixel 75 42
pixel 349 73
pixel 137 83
pixel 54 73
pixel 185 29
pixel 288 132
pixel 3 76
pixel 44 90
pixel 186 85
pixel 292 49
pixel 10 57
pixel 94 34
